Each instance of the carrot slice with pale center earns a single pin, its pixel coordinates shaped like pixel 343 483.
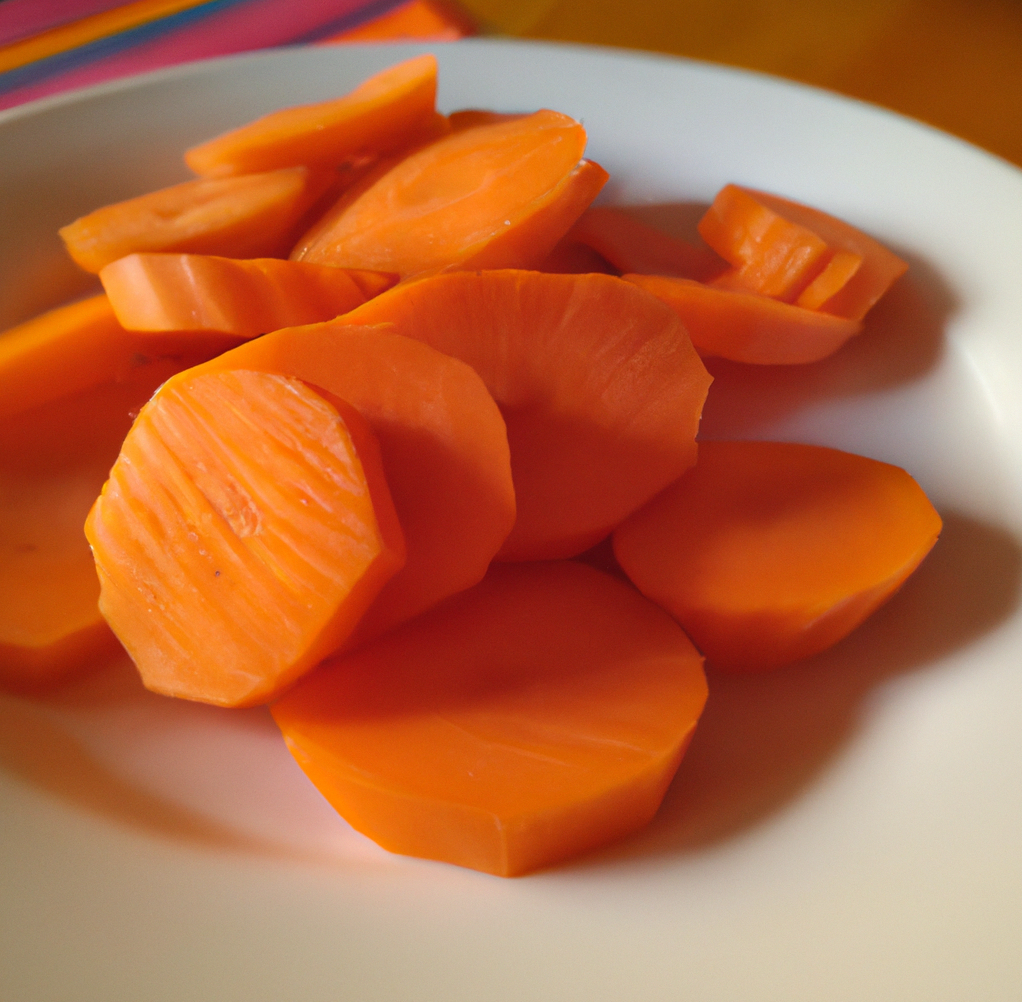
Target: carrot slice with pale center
pixel 173 292
pixel 768 552
pixel 539 715
pixel 597 380
pixel 245 528
pixel 380 115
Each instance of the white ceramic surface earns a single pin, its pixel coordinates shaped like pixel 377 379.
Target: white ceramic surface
pixel 848 829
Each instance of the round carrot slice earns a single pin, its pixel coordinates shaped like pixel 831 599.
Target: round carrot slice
pixel 539 715
pixel 768 552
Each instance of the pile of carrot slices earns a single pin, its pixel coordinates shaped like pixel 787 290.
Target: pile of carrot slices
pixel 350 405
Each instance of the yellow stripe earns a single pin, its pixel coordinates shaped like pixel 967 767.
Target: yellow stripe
pixel 88 29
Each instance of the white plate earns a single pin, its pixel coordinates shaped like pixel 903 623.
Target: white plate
pixel 848 829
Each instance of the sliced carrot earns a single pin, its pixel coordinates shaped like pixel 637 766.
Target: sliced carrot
pixel 572 258
pixel 173 292
pixel 746 327
pixel 442 440
pixel 81 345
pixel 537 716
pixel 245 528
pixel 250 216
pixel 597 381
pixel 632 246
pixel 768 552
pixel 379 116
pixel 461 201
pixel 469 118
pixel 835 276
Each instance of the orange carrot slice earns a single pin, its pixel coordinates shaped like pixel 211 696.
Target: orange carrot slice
pixel 768 552
pixel 597 381
pixel 469 118
pixel 461 201
pixel 250 216
pixel 745 327
pixel 245 528
pixel 173 292
pixel 379 116
pixel 442 441
pixel 539 715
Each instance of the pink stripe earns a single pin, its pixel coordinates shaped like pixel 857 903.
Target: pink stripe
pixel 21 18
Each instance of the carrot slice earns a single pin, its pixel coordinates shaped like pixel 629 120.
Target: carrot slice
pixel 172 292
pixel 469 118
pixel 250 216
pixel 539 715
pixel 379 116
pixel 597 381
pixel 768 552
pixel 442 441
pixel 461 201
pixel 745 327
pixel 245 528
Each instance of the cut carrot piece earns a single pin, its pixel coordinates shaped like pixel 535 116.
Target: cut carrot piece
pixel 461 201
pixel 443 444
pixel 251 216
pixel 81 345
pixel 469 118
pixel 745 327
pixel 413 20
pixel 172 292
pixel 597 381
pixel 834 277
pixel 866 284
pixel 537 716
pixel 245 528
pixel 572 258
pixel 379 116
pixel 768 552
pixel 632 246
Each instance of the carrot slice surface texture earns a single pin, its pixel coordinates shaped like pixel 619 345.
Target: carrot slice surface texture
pixel 539 715
pixel 245 528
pixel 597 380
pixel 246 298
pixel 460 201
pixel 768 552
pixel 442 441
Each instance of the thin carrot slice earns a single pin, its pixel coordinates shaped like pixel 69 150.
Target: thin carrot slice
pixel 632 246
pixel 746 327
pixel 768 552
pixel 597 381
pixel 459 201
pixel 173 292
pixel 880 267
pixel 378 116
pixel 250 216
pixel 770 254
pixel 245 528
pixel 469 118
pixel 835 276
pixel 443 445
pixel 81 345
pixel 537 716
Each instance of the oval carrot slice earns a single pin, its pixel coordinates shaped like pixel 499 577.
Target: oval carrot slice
pixel 250 216
pixel 446 204
pixel 745 327
pixel 768 552
pixel 443 445
pixel 246 298
pixel 597 381
pixel 539 715
pixel 245 528
pixel 379 116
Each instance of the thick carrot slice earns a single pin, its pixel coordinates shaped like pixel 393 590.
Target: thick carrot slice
pixel 745 327
pixel 539 715
pixel 250 216
pixel 867 283
pixel 173 292
pixel 597 381
pixel 768 552
pixel 443 444
pixel 378 116
pixel 245 528
pixel 461 201
pixel 81 345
